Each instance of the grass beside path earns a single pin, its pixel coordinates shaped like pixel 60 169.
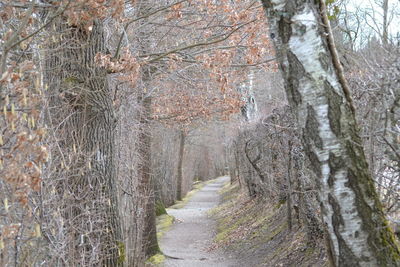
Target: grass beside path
pixel 197 186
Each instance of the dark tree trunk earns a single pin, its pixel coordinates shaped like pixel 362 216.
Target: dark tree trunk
pixel 357 229
pixel 150 242
pixel 289 187
pixel 182 136
pixel 237 164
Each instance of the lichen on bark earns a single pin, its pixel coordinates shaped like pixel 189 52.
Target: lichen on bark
pixel 350 206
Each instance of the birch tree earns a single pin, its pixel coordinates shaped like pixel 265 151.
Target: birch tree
pixel 357 231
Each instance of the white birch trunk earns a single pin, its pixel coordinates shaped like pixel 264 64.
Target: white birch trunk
pixel 356 226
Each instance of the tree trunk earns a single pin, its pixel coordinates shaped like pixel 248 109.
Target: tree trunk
pixel 235 176
pixel 385 26
pixel 179 181
pixel 289 187
pixel 150 242
pixel 314 83
pixel 84 116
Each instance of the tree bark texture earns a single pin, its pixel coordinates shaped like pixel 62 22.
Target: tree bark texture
pixel 289 187
pixel 385 26
pixel 182 136
pixel 357 229
pixel 84 116
pixel 150 242
pixel 237 165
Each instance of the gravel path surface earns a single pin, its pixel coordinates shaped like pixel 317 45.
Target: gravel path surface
pixel 193 231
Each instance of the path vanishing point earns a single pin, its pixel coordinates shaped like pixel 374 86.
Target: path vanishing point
pixel 186 244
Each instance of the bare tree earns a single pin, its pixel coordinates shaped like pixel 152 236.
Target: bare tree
pixel 150 243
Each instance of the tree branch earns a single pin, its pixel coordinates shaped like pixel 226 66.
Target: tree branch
pixel 117 52
pixel 335 57
pixel 173 51
pixel 43 26
pixel 8 44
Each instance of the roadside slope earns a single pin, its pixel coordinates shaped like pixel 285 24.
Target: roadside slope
pixel 257 233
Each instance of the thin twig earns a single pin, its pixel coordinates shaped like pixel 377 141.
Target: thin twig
pixel 173 51
pixel 117 52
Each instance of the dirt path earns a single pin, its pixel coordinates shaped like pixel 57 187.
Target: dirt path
pixel 193 231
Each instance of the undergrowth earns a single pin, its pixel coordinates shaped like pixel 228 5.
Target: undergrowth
pixel 155 260
pixel 256 231
pixel 164 222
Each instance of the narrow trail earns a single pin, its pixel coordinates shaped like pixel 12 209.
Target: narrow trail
pixel 193 232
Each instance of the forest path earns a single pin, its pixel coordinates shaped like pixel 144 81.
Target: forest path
pixel 193 231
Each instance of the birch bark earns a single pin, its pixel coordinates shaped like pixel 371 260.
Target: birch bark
pixel 357 229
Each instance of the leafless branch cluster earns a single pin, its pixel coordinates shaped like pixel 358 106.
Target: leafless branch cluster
pixel 268 159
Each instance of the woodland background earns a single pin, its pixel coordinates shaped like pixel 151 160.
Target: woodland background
pixel 112 109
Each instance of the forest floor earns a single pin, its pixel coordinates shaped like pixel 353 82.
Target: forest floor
pixel 188 241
